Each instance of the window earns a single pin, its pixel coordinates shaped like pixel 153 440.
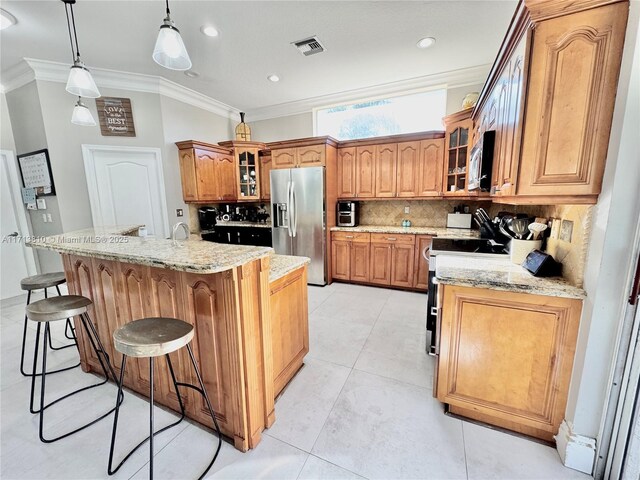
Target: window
pixel 402 114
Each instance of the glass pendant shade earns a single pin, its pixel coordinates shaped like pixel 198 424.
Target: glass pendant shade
pixel 82 115
pixel 170 51
pixel 80 82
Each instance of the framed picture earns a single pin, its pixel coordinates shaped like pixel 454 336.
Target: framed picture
pixel 35 170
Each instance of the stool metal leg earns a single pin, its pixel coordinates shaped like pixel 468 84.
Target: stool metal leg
pixel 110 469
pixel 151 434
pixel 68 325
pixel 43 406
pixel 75 342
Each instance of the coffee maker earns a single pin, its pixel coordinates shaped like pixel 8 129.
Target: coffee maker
pixel 207 218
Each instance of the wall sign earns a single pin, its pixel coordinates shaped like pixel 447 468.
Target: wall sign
pixel 35 170
pixel 116 117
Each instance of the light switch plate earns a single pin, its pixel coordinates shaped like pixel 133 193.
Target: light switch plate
pixel 555 228
pixel 179 212
pixel 42 204
pixel 566 230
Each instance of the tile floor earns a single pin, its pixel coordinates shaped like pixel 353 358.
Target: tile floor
pixel 360 408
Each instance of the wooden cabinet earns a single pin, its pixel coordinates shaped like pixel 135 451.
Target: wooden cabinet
pixel 248 170
pixel 265 174
pixel 550 98
pixel 506 358
pixel 346 172
pixel 386 161
pixel 350 256
pixel 365 172
pixel 208 172
pixel 458 130
pixel 392 258
pixel 284 158
pixel 430 168
pixel 311 155
pixel 407 171
pixel 421 262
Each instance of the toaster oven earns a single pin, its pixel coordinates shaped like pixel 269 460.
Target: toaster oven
pixel 347 214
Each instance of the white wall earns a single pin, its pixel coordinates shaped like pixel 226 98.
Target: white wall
pixel 282 128
pixel 609 256
pixel 456 95
pixel 6 132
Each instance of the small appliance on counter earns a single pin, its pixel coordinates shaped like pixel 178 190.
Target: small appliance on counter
pixel 459 220
pixel 541 264
pixel 207 217
pixel 481 162
pixel 347 213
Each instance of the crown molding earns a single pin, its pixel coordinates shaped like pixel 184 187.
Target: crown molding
pixel 49 71
pixel 451 79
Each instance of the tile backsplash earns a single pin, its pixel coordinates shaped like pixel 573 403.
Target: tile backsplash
pixel 422 213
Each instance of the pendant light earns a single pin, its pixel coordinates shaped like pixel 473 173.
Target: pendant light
pixel 169 50
pixel 82 115
pixel 80 81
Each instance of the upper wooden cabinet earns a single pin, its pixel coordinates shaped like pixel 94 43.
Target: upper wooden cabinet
pixel 386 161
pixel 247 168
pixel 208 172
pixel 550 97
pixel 407 166
pixel 458 131
pixel 304 152
pixel 264 159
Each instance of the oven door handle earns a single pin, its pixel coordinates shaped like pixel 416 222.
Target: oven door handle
pixel 425 253
pixel 438 328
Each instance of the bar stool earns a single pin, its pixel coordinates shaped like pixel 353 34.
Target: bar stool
pixel 55 309
pixel 44 282
pixel 150 338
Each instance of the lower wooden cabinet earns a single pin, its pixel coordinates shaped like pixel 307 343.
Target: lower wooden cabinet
pixel 380 263
pixel 350 256
pixel 359 260
pixel 505 358
pixel 421 262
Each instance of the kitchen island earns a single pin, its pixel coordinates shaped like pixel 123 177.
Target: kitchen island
pixel 247 305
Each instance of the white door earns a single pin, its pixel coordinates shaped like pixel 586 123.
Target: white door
pixel 126 186
pixel 16 260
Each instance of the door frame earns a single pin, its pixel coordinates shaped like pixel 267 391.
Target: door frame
pixel 88 155
pixel 20 212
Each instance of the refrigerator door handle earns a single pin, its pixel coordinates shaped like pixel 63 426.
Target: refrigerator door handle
pixel 294 210
pixel 290 212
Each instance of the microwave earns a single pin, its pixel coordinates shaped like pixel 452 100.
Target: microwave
pixel 481 162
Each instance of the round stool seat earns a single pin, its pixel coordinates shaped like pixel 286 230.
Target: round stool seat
pixel 44 280
pixel 57 308
pixel 152 337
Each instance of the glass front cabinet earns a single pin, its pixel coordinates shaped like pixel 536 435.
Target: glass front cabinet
pixel 458 127
pixel 248 168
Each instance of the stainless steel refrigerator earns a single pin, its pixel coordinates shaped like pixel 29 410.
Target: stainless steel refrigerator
pixel 298 217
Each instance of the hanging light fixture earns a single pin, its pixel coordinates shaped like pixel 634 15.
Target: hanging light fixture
pixel 80 81
pixel 82 115
pixel 170 51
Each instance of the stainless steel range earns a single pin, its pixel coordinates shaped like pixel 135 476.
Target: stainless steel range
pixel 440 246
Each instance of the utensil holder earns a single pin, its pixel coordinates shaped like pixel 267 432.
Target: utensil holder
pixel 519 249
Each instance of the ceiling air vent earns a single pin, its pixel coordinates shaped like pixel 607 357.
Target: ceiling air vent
pixel 309 46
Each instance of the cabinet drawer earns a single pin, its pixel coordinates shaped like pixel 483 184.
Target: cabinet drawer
pixel 351 237
pixel 402 238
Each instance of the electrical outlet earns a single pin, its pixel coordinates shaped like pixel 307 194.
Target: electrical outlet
pixel 44 217
pixel 49 218
pixel 407 209
pixel 566 230
pixel 179 212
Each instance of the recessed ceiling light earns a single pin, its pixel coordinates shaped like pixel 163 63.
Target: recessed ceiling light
pixel 209 31
pixel 6 19
pixel 192 74
pixel 426 42
pixel 273 78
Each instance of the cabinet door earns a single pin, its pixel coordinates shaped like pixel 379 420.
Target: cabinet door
pixel 421 262
pixel 402 257
pixel 508 357
pixel 341 260
pixel 346 172
pixel 430 165
pixel 572 79
pixel 386 169
pixel 284 158
pixel 360 261
pixel 226 178
pixel 380 263
pixel 248 170
pixel 208 183
pixel 312 156
pixel 365 172
pixel 456 161
pixel 188 175
pixel 408 155
pixel 265 177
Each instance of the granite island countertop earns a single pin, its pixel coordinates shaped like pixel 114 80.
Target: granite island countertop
pixel 283 264
pixel 113 243
pixel 437 231
pixel 500 274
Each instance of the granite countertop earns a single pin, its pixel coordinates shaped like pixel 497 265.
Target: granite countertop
pixel 437 231
pixel 283 264
pixel 500 274
pixel 112 243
